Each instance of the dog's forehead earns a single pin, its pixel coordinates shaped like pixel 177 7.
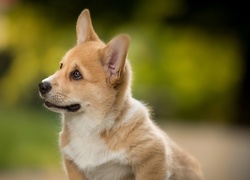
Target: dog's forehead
pixel 84 53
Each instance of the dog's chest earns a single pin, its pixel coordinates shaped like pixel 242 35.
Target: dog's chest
pixel 109 171
pixel 90 151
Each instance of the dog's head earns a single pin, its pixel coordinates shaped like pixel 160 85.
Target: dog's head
pixel 92 75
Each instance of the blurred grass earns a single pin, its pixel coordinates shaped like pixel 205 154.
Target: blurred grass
pixel 28 139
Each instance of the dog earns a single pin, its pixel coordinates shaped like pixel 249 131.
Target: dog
pixel 106 133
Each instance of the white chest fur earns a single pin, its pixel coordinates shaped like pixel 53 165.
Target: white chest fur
pixel 90 153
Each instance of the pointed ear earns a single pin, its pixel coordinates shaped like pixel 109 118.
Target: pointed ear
pixel 84 28
pixel 114 57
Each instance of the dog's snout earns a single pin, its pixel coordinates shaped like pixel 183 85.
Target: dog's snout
pixel 44 87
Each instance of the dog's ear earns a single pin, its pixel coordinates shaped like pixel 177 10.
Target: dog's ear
pixel 114 58
pixel 84 28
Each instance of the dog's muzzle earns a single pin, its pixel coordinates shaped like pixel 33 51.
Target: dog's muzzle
pixel 44 89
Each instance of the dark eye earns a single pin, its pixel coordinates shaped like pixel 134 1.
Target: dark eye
pixel 76 75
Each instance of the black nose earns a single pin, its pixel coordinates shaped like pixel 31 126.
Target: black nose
pixel 44 87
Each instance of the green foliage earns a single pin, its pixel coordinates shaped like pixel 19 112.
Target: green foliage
pixel 38 47
pixel 28 139
pixel 181 71
pixel 186 72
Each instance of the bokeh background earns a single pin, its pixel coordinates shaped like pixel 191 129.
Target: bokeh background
pixel 191 62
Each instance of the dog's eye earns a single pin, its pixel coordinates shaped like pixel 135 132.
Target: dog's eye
pixel 61 65
pixel 76 75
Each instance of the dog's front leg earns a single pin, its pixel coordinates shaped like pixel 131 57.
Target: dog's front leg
pixel 151 171
pixel 150 164
pixel 72 171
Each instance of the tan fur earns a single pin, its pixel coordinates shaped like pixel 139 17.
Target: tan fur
pixel 125 142
pixel 73 171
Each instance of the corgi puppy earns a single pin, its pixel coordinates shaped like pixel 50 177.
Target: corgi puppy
pixel 106 133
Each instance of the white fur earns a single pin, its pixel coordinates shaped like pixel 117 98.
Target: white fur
pixel 131 112
pixel 169 160
pixel 49 79
pixel 108 171
pixel 90 153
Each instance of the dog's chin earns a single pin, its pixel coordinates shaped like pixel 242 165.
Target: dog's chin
pixel 57 108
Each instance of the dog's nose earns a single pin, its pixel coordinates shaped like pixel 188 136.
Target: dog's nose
pixel 44 87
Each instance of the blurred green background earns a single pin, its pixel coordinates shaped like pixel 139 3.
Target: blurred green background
pixel 190 60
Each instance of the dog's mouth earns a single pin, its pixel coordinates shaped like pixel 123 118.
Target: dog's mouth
pixel 71 108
